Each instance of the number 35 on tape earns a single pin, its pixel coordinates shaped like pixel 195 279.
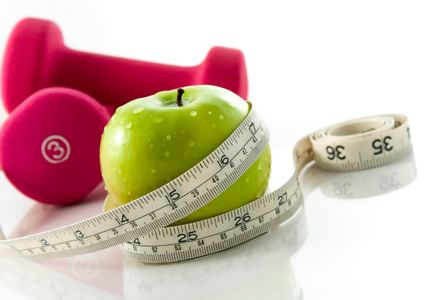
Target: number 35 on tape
pixel 141 226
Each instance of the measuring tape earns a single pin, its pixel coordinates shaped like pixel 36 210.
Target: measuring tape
pixel 141 224
pixel 264 262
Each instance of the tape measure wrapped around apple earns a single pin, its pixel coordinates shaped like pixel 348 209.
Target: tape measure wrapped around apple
pixel 196 161
pixel 150 141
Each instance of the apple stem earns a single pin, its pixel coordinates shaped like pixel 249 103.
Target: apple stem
pixel 179 97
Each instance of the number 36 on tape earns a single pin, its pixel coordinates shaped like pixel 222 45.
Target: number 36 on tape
pixel 141 225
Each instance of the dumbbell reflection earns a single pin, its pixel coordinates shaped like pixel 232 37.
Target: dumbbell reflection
pixel 259 267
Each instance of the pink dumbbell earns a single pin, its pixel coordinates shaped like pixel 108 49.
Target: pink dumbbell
pixel 49 145
pixel 59 101
pixel 36 57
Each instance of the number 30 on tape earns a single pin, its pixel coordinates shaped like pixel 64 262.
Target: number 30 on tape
pixel 141 225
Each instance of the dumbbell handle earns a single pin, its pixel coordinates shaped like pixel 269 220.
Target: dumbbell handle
pixel 121 79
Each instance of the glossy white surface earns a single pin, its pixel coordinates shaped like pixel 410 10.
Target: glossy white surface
pixel 310 64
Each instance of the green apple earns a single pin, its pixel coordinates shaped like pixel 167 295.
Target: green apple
pixel 152 140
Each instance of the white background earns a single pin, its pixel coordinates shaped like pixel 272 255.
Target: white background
pixel 310 64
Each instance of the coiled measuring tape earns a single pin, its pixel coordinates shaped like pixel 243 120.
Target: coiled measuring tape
pixel 141 225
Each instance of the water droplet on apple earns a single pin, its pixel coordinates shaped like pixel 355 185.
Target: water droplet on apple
pixel 159 120
pixel 191 143
pixel 138 110
pixel 259 167
pixel 221 117
pixel 247 179
pixel 210 113
pixel 120 172
pixel 214 125
pixel 151 146
pixel 167 154
pixel 193 113
pixel 153 171
pixel 129 193
pixel 169 137
pixel 128 126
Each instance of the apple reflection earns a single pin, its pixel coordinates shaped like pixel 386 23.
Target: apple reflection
pixel 260 268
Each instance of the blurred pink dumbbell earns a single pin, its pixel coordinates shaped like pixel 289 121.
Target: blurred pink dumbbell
pixel 59 101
